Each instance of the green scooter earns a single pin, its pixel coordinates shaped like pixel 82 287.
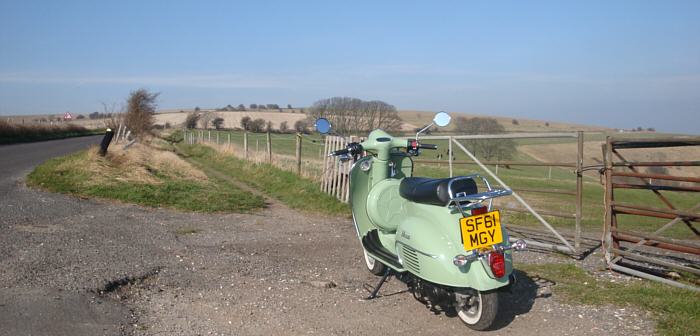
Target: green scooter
pixel 436 235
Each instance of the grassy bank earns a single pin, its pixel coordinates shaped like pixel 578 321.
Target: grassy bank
pixel 142 176
pixel 296 192
pixel 676 310
pixel 16 133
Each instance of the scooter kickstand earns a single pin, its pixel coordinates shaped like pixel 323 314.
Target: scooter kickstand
pixel 375 291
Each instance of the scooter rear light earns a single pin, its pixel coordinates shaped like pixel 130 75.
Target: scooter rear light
pixel 498 264
pixel 479 211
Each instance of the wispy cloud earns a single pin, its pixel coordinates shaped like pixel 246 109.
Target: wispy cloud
pixel 406 77
pixel 196 81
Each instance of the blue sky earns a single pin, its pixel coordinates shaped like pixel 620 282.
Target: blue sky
pixel 611 63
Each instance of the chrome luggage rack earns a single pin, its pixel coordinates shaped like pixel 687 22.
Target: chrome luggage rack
pixel 473 200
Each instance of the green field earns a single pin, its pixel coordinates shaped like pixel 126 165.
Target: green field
pixel 514 176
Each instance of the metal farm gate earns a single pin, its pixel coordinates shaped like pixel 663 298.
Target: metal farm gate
pixel 650 255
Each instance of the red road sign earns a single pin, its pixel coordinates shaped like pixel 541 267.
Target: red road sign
pixel 67 116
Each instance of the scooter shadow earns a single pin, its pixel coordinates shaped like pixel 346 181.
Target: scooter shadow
pixel 516 301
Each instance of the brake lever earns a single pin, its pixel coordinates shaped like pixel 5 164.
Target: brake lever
pixel 344 158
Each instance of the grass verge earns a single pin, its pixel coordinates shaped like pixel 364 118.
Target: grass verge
pixel 72 174
pixel 294 191
pixel 17 133
pixel 676 309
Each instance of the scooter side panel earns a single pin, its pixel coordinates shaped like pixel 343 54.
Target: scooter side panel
pixel 427 240
pixel 385 207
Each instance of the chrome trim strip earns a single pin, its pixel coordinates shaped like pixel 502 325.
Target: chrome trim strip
pixel 418 251
pixel 483 196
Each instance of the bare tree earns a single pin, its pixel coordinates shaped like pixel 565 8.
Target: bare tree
pixel 245 123
pixel 352 115
pixel 113 113
pixel 191 120
pixel 490 148
pixel 141 106
pixel 257 125
pixel 284 127
pixel 301 126
pixel 206 117
pixel 217 122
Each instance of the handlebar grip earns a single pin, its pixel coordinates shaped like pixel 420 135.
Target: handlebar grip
pixel 428 146
pixel 340 152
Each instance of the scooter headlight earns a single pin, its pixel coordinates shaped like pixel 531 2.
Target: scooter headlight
pixel 366 165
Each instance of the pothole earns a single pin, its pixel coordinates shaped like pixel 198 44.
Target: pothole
pixel 118 287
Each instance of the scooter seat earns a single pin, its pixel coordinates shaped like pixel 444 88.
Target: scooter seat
pixel 435 191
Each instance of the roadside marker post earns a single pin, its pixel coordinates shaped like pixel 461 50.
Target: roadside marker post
pixel 106 140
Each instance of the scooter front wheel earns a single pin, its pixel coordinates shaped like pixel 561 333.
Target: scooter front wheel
pixel 374 266
pixel 479 312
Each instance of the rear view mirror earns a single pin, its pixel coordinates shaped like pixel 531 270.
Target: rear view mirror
pixel 442 119
pixel 323 126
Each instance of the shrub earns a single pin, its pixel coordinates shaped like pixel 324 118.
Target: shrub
pixel 141 106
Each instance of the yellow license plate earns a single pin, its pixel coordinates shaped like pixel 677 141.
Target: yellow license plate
pixel 481 230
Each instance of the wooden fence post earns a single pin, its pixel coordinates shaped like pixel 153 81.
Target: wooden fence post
pixel 579 191
pixel 298 154
pixel 209 136
pixel 269 147
pixel 217 138
pixel 229 139
pixel 245 145
pixel 119 131
pixel 449 154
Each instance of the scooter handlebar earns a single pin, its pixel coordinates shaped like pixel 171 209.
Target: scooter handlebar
pixel 339 152
pixel 427 146
pixel 353 148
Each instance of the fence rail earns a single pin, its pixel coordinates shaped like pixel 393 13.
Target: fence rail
pixel 250 149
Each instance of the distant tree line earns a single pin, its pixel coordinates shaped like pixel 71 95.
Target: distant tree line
pixel 352 115
pixel 256 107
pixel 261 125
pixel 97 115
pixel 489 149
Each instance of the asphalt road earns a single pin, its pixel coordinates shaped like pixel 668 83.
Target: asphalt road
pixel 72 266
pixel 25 308
pixel 17 160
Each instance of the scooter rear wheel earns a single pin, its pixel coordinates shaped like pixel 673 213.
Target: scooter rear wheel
pixel 374 266
pixel 481 313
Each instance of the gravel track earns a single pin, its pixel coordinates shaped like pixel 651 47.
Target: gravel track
pixel 72 266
